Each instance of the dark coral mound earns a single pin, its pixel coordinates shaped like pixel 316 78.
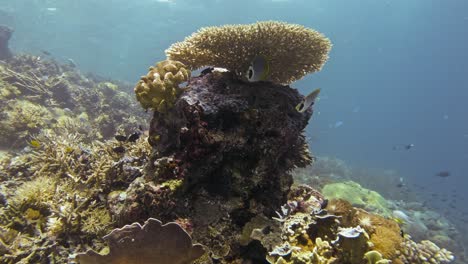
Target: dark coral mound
pixel 5 35
pixel 222 156
pixel 234 139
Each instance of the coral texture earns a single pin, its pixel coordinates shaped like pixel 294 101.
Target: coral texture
pixel 151 243
pixel 160 87
pixel 224 135
pixel 291 50
pixel 358 196
pixel 5 35
pixel 423 252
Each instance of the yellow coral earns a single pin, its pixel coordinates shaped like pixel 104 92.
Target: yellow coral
pixel 38 192
pixel 386 238
pixel 160 87
pixel 292 50
pixel 96 221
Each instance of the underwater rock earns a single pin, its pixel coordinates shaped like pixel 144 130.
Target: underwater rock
pixel 5 35
pixel 234 139
pixel 221 156
pixel 153 243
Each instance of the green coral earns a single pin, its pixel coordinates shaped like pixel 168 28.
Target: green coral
pixel 160 87
pixel 357 196
pixel 374 257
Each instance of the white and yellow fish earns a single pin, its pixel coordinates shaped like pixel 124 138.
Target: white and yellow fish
pixel 308 101
pixel 259 69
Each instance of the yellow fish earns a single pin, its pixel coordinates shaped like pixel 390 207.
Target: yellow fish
pixel 259 69
pixel 308 101
pixel 35 143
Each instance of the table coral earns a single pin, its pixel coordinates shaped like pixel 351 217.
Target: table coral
pixel 160 87
pixel 291 50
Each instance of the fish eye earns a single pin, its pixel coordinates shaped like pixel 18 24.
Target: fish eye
pixel 250 73
pixel 301 106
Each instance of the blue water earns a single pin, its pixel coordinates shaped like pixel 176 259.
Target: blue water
pixel 397 73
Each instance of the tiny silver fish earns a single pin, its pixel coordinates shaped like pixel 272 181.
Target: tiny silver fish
pixel 308 101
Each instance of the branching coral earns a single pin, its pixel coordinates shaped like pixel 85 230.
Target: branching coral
pixel 20 118
pixel 160 87
pixel 292 50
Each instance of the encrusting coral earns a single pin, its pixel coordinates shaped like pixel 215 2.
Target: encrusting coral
pixel 358 196
pixel 152 243
pixel 160 87
pixel 291 50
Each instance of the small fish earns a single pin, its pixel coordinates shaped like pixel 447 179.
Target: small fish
pixel 206 71
pixel 71 63
pixel 259 69
pixel 400 183
pixel 443 174
pixel 119 149
pixel 308 101
pixel 35 143
pixel 134 136
pixel 405 147
pixel 51 9
pixel 400 217
pixel 45 52
pixel 338 124
pixel 68 149
pixel 324 204
pixel 120 138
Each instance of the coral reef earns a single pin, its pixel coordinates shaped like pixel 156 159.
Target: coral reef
pixel 5 35
pixel 291 50
pixel 216 162
pixel 423 252
pixel 151 243
pixel 160 87
pixel 357 196
pixel 40 94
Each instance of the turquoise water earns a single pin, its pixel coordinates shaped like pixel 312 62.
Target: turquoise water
pixel 396 74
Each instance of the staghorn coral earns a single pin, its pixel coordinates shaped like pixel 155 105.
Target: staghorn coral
pixel 94 109
pixel 160 87
pixel 292 50
pixel 151 243
pixel 20 118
